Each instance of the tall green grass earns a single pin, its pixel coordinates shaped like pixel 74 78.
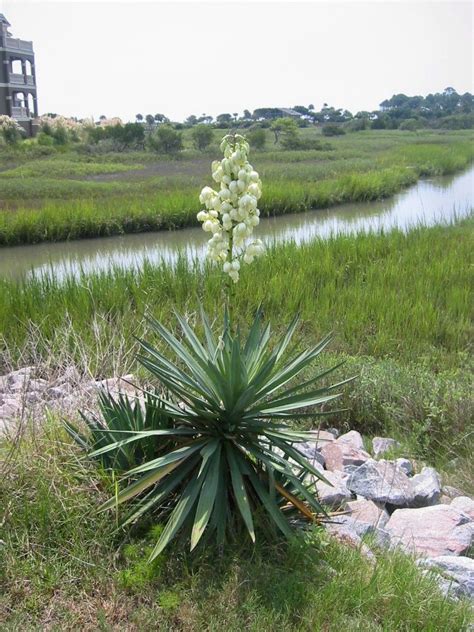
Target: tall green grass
pixel 61 208
pixel 401 294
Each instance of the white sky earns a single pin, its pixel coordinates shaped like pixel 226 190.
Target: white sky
pixel 177 58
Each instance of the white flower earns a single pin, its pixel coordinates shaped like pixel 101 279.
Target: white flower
pixel 232 211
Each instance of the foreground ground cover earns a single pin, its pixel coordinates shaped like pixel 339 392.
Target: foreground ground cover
pixel 66 197
pixel 61 570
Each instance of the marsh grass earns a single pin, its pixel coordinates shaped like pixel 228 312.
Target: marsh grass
pixel 404 294
pixel 49 207
pixel 63 567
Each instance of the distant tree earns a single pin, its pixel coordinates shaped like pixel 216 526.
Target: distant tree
pixel 102 117
pixel 310 106
pixel 191 120
pixel 139 117
pixel 150 119
pixel 257 138
pixel 202 136
pixel 224 119
pixel 166 140
pixel 286 130
pixel 410 125
pixel 235 115
pixel 247 114
pixel 161 118
pixel 266 113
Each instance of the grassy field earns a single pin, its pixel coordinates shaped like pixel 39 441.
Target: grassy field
pixel 399 305
pixel 63 567
pixel 71 196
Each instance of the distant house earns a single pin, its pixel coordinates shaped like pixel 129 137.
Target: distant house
pixel 289 112
pixel 274 113
pixel 17 78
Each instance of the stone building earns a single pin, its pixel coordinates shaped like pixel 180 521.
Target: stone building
pixel 18 97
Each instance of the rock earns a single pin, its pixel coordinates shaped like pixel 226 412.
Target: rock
pixel 349 538
pixel 334 431
pixel 426 487
pixel 431 531
pixel 18 380
pixel 451 492
pixel 464 504
pixel 333 495
pixel 58 392
pixel 457 574
pixel 352 438
pixel 381 445
pixel 338 455
pixel 310 450
pixel 117 385
pixel 382 481
pixel 322 437
pixel 405 465
pixel 368 512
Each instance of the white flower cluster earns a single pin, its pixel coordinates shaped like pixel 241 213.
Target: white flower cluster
pixel 58 122
pixel 231 213
pixel 8 123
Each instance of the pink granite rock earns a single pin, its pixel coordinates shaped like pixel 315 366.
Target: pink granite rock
pixel 368 512
pixel 337 455
pixel 431 531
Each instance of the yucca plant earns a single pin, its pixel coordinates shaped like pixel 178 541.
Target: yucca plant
pixel 230 453
pixel 120 416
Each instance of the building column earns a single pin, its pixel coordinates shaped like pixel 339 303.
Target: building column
pixel 23 69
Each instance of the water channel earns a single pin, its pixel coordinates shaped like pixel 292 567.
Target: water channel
pixel 429 201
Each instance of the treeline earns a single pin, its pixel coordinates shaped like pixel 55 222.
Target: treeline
pixel 446 109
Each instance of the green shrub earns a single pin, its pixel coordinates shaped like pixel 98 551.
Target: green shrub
pixel 202 136
pixel 257 138
pixel 166 140
pixel 410 125
pixel 332 130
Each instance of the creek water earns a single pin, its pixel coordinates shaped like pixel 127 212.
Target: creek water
pixel 428 202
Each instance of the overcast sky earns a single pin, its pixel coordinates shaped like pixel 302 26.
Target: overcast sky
pixel 177 58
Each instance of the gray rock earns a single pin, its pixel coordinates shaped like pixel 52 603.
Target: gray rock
pixel 382 481
pixel 431 531
pixel 457 574
pixel 310 450
pixel 451 492
pixel 352 438
pixel 381 445
pixel 426 487
pixel 406 465
pixel 347 536
pixel 464 504
pixel 335 494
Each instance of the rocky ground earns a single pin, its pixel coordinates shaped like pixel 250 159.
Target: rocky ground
pixel 395 501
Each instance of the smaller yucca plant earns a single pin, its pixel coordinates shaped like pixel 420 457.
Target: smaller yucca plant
pixel 230 453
